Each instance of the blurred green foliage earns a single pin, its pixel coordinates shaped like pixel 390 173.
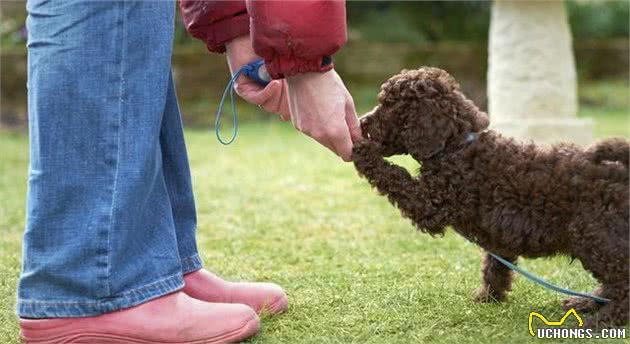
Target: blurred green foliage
pixel 599 19
pixel 434 21
pixel 414 21
pixel 419 21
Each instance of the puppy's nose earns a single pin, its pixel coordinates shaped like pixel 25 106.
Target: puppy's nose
pixel 369 114
pixel 370 128
pixel 364 122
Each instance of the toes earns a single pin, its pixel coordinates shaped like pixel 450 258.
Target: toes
pixel 484 295
pixel 580 304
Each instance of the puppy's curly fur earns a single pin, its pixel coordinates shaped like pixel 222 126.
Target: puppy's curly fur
pixel 511 199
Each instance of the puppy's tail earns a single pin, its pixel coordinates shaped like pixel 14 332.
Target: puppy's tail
pixel 613 150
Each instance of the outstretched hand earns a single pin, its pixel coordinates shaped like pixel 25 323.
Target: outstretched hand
pixel 322 108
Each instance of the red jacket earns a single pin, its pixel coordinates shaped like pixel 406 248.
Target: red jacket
pixel 292 36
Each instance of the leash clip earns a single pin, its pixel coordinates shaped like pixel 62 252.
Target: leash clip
pixel 257 71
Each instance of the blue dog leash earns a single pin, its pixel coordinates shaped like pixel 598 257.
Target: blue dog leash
pixel 546 284
pixel 256 71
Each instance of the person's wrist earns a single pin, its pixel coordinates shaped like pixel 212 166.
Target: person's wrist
pixel 302 78
pixel 238 44
pixel 239 51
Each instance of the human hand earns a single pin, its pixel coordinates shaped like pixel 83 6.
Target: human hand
pixel 273 97
pixel 322 108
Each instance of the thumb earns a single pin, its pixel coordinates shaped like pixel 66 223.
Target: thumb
pixel 353 121
pixel 256 94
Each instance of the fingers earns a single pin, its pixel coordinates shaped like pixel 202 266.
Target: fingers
pixel 324 141
pixel 342 143
pixel 336 138
pixel 334 134
pixel 271 98
pixel 352 121
pixel 285 113
pixel 254 93
pixel 277 102
pixel 322 108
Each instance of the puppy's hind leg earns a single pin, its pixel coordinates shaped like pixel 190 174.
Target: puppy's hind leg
pixel 496 280
pixel 613 274
pixel 582 304
pixel 602 247
pixel 615 312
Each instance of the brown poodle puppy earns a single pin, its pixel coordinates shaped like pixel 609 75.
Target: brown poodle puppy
pixel 511 199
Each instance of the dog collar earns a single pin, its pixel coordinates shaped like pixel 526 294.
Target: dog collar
pixel 468 140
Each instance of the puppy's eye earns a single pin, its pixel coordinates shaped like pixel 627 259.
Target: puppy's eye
pixel 369 136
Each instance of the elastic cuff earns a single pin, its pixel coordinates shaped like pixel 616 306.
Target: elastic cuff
pixel 281 67
pixel 73 309
pixel 192 263
pixel 223 31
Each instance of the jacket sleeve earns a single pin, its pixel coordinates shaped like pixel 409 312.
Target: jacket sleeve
pixel 297 36
pixel 292 36
pixel 215 22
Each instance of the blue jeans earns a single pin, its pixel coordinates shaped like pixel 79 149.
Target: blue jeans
pixel 110 216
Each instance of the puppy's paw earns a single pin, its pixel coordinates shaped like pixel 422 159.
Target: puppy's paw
pixel 596 323
pixel 485 295
pixel 580 304
pixel 612 314
pixel 366 155
pixel 366 148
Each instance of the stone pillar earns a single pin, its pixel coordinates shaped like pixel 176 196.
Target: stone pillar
pixel 532 89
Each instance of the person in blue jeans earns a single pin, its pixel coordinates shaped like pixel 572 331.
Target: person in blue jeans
pixel 109 252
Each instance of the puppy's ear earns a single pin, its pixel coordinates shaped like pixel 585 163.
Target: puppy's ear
pixel 442 87
pixel 481 121
pixel 474 119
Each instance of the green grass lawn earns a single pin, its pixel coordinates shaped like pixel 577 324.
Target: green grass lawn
pixel 276 207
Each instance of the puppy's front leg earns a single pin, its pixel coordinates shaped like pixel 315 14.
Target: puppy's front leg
pixel 392 181
pixel 496 280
